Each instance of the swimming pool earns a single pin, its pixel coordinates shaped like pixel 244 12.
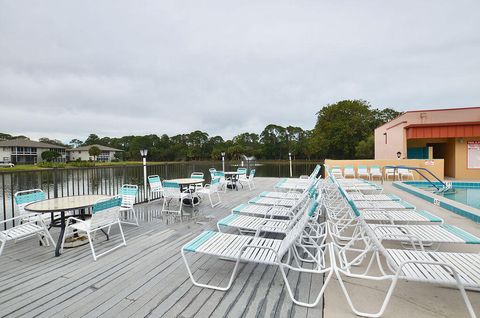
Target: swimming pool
pixel 464 201
pixel 465 192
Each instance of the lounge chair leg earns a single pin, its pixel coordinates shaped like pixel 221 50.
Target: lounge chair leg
pixel 210 286
pixel 91 246
pixel 359 313
pixel 2 246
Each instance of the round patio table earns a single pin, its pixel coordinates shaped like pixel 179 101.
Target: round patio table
pixel 186 182
pixel 80 202
pixel 234 178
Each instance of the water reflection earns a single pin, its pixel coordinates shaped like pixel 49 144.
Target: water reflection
pixel 108 180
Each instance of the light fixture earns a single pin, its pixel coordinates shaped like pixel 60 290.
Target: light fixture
pixel 143 152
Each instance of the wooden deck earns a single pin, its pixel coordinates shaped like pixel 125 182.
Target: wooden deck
pixel 148 276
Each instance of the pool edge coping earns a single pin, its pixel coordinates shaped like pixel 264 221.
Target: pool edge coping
pixel 453 206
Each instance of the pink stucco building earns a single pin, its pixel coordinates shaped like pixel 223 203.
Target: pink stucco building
pixel 449 134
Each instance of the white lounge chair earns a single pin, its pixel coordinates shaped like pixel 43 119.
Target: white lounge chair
pixel 349 172
pixel 362 172
pixel 391 173
pixel 259 224
pixel 336 172
pixel 460 270
pixel 105 213
pixel 405 173
pixel 283 253
pixel 272 201
pixel 375 172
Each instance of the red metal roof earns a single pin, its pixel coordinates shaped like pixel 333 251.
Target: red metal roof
pixel 445 130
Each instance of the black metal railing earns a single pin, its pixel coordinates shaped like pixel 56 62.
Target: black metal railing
pixel 107 180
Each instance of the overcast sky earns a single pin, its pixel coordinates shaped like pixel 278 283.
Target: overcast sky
pixel 115 68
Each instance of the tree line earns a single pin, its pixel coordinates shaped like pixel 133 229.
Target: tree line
pixel 343 130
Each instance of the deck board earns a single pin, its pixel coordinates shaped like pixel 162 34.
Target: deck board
pixel 148 277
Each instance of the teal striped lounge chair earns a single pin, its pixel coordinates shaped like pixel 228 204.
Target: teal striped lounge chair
pixel 275 252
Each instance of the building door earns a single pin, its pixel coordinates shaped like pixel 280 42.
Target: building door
pixel 417 153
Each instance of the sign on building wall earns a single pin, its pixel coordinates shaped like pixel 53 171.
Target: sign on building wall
pixel 473 155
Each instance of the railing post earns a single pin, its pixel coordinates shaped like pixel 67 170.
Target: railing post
pixel 55 184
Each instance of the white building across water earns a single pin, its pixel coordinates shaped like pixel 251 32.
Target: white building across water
pixel 107 154
pixel 25 151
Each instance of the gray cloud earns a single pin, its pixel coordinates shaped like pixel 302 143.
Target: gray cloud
pixel 70 68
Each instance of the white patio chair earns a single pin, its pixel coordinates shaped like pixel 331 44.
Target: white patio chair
pixel 33 226
pixel 349 172
pixel 212 189
pixel 172 193
pixel 105 213
pixel 249 180
pixel 336 171
pixel 212 172
pixel 405 173
pixel 391 172
pixel 197 175
pixel 375 172
pixel 156 188
pixel 24 198
pixel 223 181
pixel 128 193
pixel 283 253
pixel 363 172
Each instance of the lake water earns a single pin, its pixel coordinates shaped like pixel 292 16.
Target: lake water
pixel 108 180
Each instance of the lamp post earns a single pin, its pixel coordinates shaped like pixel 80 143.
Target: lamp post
pixel 223 161
pixel 143 153
pixel 290 159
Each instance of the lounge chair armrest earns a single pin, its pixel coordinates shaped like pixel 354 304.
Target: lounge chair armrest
pixel 430 263
pixel 242 250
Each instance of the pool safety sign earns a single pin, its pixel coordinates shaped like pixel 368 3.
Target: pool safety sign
pixel 473 155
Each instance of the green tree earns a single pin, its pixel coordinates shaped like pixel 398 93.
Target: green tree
pixel 365 148
pixel 92 140
pixel 341 126
pixel 50 155
pixel 52 141
pixel 94 152
pixel 74 143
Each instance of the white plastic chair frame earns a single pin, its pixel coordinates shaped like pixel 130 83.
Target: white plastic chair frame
pixel 156 187
pixel 374 246
pixel 105 213
pixel 172 192
pixel 212 189
pixel 34 226
pixel 128 193
pixel 285 256
pixel 362 171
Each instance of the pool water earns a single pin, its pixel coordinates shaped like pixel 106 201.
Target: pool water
pixel 468 196
pixel 465 192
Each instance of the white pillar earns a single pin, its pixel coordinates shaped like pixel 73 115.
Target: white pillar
pixel 290 159
pixel 145 178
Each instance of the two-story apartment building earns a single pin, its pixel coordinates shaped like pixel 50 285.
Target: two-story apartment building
pixel 25 151
pixel 81 153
